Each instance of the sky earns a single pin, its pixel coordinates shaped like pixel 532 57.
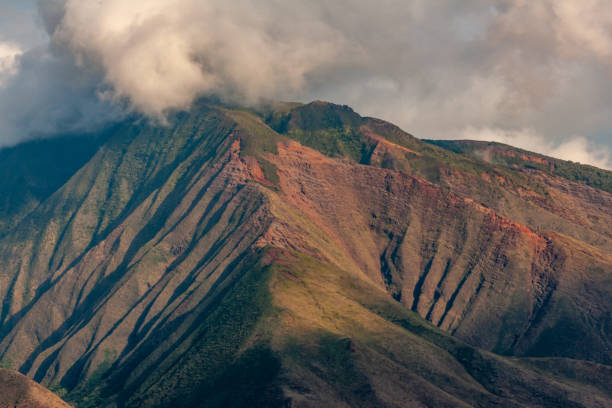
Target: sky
pixel 537 75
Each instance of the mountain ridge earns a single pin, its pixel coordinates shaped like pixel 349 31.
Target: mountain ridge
pixel 503 154
pixel 166 228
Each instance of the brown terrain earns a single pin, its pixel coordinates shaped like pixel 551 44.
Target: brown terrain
pixel 475 269
pixel 18 391
pixel 306 256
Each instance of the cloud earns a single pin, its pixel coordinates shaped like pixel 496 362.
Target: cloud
pixel 162 54
pixel 575 29
pixel 436 68
pixel 50 95
pixel 577 149
pixel 8 60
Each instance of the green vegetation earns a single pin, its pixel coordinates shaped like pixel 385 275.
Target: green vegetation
pixel 251 380
pixel 58 390
pixel 214 360
pixel 313 116
pixel 6 363
pixel 331 357
pixel 256 138
pixel 355 339
pixel 98 374
pixel 589 175
pixel 217 342
pixel 270 170
pixel 331 129
pixel 336 142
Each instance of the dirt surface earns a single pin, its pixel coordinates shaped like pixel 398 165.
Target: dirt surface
pixel 18 391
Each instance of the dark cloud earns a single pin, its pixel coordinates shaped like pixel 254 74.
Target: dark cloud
pixel 51 13
pixel 51 95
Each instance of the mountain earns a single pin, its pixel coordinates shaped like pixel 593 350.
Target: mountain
pixel 303 255
pixel 18 391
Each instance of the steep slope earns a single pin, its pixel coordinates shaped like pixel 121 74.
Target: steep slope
pixel 99 252
pixel 570 198
pixel 486 279
pixel 220 260
pixel 19 391
pixel 34 170
pixel 573 206
pixel 540 243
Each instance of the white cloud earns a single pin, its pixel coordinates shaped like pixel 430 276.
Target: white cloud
pixel 9 54
pixel 164 53
pixel 577 149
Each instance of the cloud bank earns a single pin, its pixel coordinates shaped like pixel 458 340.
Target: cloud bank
pixel 164 53
pixel 440 69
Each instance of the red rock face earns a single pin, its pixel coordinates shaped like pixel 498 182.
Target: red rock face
pixel 489 280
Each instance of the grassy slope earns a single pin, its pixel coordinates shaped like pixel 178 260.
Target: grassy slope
pixel 369 350
pixel 531 200
pixel 200 366
pixel 136 172
pixel 338 131
pixel 335 130
pixel 294 330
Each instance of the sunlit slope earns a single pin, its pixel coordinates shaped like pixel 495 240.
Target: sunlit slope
pixel 570 199
pixel 19 391
pixel 90 258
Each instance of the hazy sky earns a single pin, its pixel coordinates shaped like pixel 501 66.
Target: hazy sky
pixel 536 74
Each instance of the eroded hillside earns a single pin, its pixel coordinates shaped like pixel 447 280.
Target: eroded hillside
pixel 283 257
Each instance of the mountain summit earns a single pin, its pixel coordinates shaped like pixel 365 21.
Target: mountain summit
pixel 303 255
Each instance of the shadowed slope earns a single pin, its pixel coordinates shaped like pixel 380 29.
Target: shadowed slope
pixel 32 171
pixel 342 340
